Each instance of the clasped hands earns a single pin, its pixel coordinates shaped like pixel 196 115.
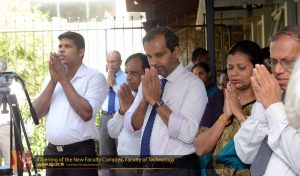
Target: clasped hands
pixel 265 86
pixel 232 105
pixel 151 86
pixel 126 98
pixel 57 69
pixel 111 78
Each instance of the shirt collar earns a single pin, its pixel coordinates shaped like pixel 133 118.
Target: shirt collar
pixel 173 77
pixel 81 71
pixel 118 73
pixel 133 93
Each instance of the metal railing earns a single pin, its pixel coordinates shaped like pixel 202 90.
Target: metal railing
pixel 24 39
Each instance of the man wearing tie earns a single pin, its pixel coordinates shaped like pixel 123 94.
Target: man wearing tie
pixel 265 139
pixel 115 78
pixel 168 107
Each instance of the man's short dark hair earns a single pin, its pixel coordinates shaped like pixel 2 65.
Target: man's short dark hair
pixel 76 37
pixel 171 38
pixel 141 57
pixel 199 53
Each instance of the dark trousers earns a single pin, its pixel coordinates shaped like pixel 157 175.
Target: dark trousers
pixel 185 166
pixel 171 172
pixel 107 145
pixel 86 149
pixel 128 172
pixel 125 170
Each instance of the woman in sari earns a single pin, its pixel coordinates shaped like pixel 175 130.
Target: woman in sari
pixel 225 112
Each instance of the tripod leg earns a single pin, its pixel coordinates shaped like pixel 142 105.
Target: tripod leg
pixel 19 124
pixel 18 163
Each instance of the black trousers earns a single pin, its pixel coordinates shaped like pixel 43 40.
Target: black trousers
pixel 86 148
pixel 185 166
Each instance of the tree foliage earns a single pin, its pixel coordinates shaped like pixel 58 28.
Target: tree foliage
pixel 26 55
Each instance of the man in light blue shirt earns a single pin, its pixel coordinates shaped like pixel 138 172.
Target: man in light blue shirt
pixel 115 77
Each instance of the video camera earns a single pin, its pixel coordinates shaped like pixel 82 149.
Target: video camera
pixel 6 79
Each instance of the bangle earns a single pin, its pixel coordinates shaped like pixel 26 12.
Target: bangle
pixel 223 119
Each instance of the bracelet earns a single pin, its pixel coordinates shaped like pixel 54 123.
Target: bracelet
pixel 223 119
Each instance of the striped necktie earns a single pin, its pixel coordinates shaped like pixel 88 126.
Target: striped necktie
pixel 145 144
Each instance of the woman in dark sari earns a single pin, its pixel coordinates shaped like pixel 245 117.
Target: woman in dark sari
pixel 226 111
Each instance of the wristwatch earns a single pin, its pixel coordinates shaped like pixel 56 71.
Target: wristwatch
pixel 159 103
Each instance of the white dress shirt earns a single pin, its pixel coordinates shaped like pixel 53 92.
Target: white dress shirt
pixel 261 123
pixel 115 125
pixel 185 95
pixel 120 79
pixel 64 126
pixel 128 143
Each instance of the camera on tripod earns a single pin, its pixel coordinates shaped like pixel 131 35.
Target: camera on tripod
pixel 5 82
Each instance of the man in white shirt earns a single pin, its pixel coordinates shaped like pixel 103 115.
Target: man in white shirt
pixel 71 100
pixel 128 143
pixel 268 117
pixel 178 106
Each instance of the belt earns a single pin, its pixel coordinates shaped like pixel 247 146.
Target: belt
pixel 71 147
pixel 107 113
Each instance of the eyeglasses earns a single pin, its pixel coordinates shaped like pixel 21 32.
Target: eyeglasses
pixel 287 64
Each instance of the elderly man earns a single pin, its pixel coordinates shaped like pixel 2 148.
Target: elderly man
pixel 128 143
pixel 265 139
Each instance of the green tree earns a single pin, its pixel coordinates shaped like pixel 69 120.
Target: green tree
pixel 25 53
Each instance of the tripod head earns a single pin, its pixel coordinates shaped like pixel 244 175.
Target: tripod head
pixel 5 81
